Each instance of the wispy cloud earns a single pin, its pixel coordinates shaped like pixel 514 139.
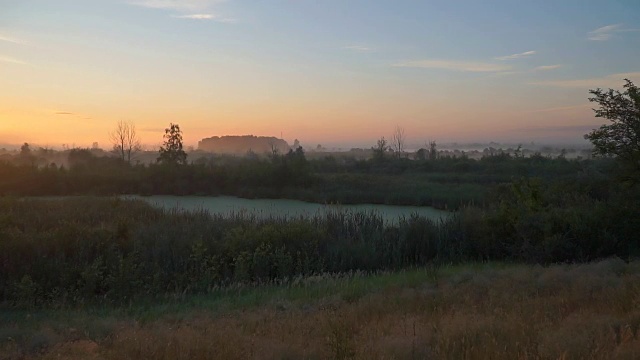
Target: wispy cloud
pixel 611 81
pixel 358 48
pixel 196 16
pixel 64 113
pixel 177 5
pixel 205 17
pixel 516 56
pixel 606 32
pixel 453 65
pixel 10 39
pixel 11 60
pixel 186 9
pixel 547 67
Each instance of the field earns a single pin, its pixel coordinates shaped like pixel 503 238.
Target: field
pixel 481 311
pixel 538 260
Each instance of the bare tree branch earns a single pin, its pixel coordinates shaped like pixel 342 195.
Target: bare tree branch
pixel 398 141
pixel 125 140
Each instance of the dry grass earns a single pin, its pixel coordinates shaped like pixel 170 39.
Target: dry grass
pixel 520 312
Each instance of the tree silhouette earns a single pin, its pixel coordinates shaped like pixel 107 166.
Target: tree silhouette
pixel 380 148
pixel 171 152
pixel 125 140
pixel 433 150
pixel 620 138
pixel 398 141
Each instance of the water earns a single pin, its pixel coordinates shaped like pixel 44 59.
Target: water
pixel 264 208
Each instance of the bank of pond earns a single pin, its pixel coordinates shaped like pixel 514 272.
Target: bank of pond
pixel 283 208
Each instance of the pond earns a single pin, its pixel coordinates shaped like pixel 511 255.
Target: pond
pixel 265 208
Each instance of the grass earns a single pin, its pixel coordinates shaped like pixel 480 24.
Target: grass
pixel 478 311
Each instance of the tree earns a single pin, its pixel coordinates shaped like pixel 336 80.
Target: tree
pixel 433 150
pixel 620 138
pixel 26 156
pixel 380 148
pixel 275 151
pixel 125 140
pixel 398 141
pixel 171 151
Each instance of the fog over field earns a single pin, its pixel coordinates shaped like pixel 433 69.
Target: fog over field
pixel 364 179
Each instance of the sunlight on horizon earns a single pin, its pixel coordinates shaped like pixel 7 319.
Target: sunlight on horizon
pixel 324 73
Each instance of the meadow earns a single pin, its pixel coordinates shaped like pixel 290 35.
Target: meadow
pixel 471 311
pixel 536 260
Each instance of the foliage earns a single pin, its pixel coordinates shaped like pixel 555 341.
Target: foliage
pixel 380 149
pixel 171 152
pixel 445 182
pixel 621 138
pixel 72 251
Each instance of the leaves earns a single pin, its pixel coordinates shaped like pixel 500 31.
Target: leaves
pixel 620 138
pixel 171 152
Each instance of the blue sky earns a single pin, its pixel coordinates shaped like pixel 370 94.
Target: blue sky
pixel 330 72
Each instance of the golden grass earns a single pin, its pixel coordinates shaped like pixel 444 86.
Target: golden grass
pixel 520 312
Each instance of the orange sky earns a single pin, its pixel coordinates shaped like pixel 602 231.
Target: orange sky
pixel 71 70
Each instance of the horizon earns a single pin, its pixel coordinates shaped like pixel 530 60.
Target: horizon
pixel 329 73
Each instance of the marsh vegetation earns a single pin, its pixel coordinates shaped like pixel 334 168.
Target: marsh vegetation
pixel 503 275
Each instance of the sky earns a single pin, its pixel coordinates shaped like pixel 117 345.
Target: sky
pixel 330 72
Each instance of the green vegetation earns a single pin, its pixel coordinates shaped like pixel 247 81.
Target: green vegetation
pixel 621 138
pixel 109 258
pixel 475 311
pixel 446 182
pixel 72 251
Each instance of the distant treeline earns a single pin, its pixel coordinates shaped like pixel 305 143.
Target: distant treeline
pixel 446 182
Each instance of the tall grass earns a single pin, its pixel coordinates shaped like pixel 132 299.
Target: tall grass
pixel 586 311
pixel 72 251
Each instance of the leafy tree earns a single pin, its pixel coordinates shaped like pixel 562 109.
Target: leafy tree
pixel 26 156
pixel 620 138
pixel 380 148
pixel 171 152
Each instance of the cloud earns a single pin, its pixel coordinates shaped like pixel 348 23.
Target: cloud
pixel 10 39
pixel 11 60
pixel 610 81
pixel 547 67
pixel 453 65
pixel 186 9
pixel 64 113
pixel 358 48
pixel 177 5
pixel 205 17
pixel 196 16
pixel 516 56
pixel 606 32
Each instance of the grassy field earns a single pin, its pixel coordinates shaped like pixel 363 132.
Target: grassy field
pixel 481 311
